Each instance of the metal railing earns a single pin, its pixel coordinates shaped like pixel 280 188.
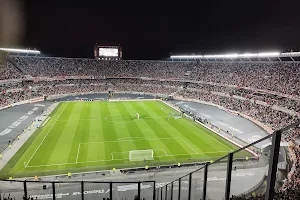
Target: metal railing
pixel 77 190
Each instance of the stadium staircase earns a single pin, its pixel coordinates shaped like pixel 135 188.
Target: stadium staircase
pixel 9 59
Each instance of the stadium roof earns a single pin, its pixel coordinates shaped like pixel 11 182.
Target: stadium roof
pixel 26 51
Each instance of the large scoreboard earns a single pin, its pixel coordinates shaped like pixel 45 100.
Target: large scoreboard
pixel 108 52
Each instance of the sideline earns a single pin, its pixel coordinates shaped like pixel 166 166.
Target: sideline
pixel 9 153
pixel 226 138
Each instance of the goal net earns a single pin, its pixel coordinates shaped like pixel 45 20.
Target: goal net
pixel 141 155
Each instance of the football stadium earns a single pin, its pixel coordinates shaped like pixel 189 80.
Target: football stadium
pixel 190 127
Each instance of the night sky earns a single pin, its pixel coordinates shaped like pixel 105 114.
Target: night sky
pixel 151 30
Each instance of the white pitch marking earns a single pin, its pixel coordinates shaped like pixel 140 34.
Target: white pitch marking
pixel 132 140
pixel 51 165
pixel 189 145
pixel 212 136
pixel 164 151
pixel 45 136
pixel 205 128
pixel 129 138
pixel 93 161
pixel 78 150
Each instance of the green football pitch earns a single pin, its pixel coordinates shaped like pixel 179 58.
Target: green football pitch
pixel 93 136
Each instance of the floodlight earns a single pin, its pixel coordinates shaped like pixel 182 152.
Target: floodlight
pixel 20 51
pixel 186 56
pixel 269 54
pixel 248 55
pixel 235 55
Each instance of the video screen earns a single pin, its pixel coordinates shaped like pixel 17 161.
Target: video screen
pixel 108 52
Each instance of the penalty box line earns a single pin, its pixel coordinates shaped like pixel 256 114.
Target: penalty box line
pixel 79 145
pixel 195 152
pixel 45 136
pixel 94 161
pixel 188 145
pixel 132 140
pixel 166 154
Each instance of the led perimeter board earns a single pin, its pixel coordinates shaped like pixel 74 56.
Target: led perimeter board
pixel 108 52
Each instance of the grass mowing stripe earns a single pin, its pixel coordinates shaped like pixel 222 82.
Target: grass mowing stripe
pixel 179 124
pixel 152 127
pixel 209 133
pixel 214 136
pixel 75 136
pixel 135 131
pixel 58 141
pixel 149 132
pixel 175 131
pixel 193 136
pixel 162 127
pixel 218 141
pixel 83 127
pixel 109 131
pixel 125 130
pixel 95 129
pixel 196 137
pixel 45 136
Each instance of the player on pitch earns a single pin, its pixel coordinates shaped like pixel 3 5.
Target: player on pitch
pixel 137 115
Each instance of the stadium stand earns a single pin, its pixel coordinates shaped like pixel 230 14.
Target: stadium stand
pixel 266 91
pixel 90 67
pixel 275 76
pixel 8 71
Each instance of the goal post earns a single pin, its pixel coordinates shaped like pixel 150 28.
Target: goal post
pixel 141 155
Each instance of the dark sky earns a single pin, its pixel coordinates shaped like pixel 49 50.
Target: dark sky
pixel 147 30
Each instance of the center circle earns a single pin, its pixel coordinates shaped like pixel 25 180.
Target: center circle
pixel 121 118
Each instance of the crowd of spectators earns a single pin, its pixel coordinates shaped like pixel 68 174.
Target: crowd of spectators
pixel 272 118
pixel 8 86
pixel 8 71
pixel 275 76
pixel 291 186
pixel 10 98
pixel 121 85
pixel 51 67
pixel 14 92
pixel 270 99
